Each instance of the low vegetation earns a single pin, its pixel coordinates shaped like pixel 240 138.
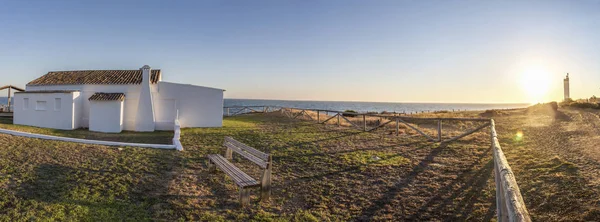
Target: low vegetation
pixel 161 137
pixel 321 173
pixel 581 103
pixel 348 113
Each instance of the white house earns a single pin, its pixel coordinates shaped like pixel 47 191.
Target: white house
pixel 116 100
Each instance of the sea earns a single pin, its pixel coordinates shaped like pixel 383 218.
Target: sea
pixel 373 106
pixel 365 106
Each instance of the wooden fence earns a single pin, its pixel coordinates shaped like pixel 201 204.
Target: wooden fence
pixel 509 202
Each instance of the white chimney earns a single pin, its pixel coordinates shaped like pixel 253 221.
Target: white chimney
pixel 144 121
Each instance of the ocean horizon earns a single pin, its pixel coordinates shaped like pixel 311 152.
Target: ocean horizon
pixel 400 107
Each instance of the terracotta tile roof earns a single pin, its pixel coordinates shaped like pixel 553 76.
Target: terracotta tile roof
pixel 95 77
pixel 107 97
pixel 48 91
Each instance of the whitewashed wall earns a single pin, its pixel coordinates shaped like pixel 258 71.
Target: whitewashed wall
pixel 198 106
pixel 132 93
pixel 57 113
pixel 106 116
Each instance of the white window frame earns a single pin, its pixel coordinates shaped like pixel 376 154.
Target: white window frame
pixel 41 105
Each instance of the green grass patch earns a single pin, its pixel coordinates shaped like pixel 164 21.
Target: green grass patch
pixel 374 158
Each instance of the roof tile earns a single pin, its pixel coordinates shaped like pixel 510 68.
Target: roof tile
pixel 107 97
pixel 79 77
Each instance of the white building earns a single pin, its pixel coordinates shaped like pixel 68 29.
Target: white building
pixel 116 100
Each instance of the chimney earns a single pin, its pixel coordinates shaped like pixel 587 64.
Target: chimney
pixel 144 120
pixel 146 70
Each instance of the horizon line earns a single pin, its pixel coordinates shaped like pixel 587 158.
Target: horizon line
pixel 304 100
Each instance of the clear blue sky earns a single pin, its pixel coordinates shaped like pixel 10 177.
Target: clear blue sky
pixel 397 51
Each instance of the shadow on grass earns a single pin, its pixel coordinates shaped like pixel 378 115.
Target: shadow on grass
pixel 284 158
pixel 472 186
pixel 356 168
pixel 80 193
pixel 460 199
pixel 394 190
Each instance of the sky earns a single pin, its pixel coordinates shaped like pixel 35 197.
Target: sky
pixel 330 50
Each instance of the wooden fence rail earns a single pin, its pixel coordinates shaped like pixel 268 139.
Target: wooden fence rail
pixel 509 202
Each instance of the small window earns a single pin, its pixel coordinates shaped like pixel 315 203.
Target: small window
pixel 25 103
pixel 57 104
pixel 40 105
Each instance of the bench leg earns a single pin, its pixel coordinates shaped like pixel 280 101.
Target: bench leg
pixel 265 185
pixel 211 166
pixel 244 196
pixel 228 154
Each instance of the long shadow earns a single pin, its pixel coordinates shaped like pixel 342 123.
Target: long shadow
pixel 59 184
pixel 356 168
pixel 472 187
pixel 284 158
pixel 316 141
pixel 394 190
pixel 51 183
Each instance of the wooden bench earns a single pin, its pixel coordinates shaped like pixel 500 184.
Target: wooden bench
pixel 243 180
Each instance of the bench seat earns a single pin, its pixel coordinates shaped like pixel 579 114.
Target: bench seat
pixel 242 179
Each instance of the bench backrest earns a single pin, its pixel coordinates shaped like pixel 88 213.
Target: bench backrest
pixel 256 156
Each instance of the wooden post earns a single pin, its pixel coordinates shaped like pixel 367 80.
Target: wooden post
pixel 397 127
pixel 211 166
pixel 364 122
pixel 244 196
pixel 318 117
pixel 227 111
pixel 228 154
pixel 439 130
pixel 8 99
pixel 265 189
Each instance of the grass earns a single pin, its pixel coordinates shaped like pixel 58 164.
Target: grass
pixel 160 137
pixel 321 173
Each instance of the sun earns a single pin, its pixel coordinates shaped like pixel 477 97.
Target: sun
pixel 536 83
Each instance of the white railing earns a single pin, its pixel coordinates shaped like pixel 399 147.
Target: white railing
pixel 177 133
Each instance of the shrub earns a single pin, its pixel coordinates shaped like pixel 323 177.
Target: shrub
pixel 584 105
pixel 566 102
pixel 348 112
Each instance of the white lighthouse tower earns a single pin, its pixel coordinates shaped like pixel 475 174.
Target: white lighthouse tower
pixel 566 82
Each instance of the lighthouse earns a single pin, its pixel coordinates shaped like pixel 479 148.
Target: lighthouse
pixel 566 85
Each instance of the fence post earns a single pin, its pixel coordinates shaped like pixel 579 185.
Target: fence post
pixel 440 130
pixel 397 127
pixel 364 122
pixel 227 111
pixel 318 117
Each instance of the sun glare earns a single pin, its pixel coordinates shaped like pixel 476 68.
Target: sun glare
pixel 536 84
